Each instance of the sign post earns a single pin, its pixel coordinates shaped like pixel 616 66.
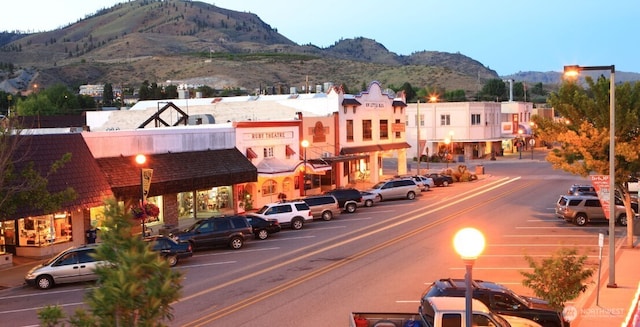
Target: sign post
pixel 600 246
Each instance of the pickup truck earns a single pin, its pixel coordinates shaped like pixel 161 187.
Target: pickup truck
pixel 440 311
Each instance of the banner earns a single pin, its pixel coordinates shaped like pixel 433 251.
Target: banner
pixel 147 173
pixel 601 184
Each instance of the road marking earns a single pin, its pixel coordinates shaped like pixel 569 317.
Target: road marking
pixel 38 308
pixel 208 264
pixel 528 255
pixel 524 245
pixel 491 268
pixel 547 235
pixel 230 252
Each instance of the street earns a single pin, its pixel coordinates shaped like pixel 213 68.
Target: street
pixel 377 259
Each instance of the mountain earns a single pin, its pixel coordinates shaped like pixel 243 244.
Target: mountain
pixel 195 42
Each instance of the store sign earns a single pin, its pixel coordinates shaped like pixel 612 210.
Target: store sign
pixel 601 184
pixel 147 173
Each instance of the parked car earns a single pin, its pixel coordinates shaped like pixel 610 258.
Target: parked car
pixel 441 179
pixel 76 264
pixel 425 183
pixel 262 228
pixel 292 214
pixel 170 249
pixel 348 198
pixel 369 199
pixel 232 231
pixel 400 188
pixel 499 299
pixel 575 189
pixel 581 210
pixel 323 206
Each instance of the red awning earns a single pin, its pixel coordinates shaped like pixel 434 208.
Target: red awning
pixel 290 151
pixel 251 154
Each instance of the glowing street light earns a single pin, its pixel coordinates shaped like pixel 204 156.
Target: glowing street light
pixel 469 244
pixel 305 145
pixel 574 71
pixel 141 159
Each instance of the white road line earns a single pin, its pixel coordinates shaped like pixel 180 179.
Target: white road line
pixel 540 245
pixel 548 235
pixel 492 268
pixel 208 264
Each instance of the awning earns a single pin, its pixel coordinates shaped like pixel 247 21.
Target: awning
pixel 251 154
pixel 374 148
pixel 274 166
pixel 329 160
pixel 178 172
pixel 289 151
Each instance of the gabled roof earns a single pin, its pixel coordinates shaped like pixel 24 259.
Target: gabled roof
pixel 81 173
pixel 178 172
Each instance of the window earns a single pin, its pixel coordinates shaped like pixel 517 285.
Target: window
pixel 349 130
pixel 269 187
pixel 268 152
pixel 475 119
pixel 384 129
pixel 421 120
pixel 366 130
pixel 398 133
pixel 445 120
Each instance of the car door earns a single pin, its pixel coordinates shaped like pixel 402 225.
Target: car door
pixel 221 232
pixel 87 265
pixel 66 269
pixel 594 209
pixel 203 235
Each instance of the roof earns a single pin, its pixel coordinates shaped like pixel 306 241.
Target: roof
pixel 81 173
pixel 453 303
pixel 51 121
pixel 178 172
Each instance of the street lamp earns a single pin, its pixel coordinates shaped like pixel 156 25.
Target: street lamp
pixel 141 159
pixel 305 145
pixel 520 142
pixel 574 71
pixel 532 142
pixel 451 138
pixel 468 243
pixel 418 147
pixel 446 142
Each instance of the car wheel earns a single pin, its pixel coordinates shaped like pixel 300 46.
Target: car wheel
pixel 44 282
pixel 172 260
pixel 262 234
pixel 411 195
pixel 445 183
pixel 297 224
pixel 236 242
pixel 426 188
pixel 581 219
pixel 368 203
pixel 351 207
pixel 327 215
pixel 622 220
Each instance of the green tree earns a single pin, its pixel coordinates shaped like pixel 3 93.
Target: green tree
pixel 144 92
pixel 138 286
pixel 107 95
pixel 21 184
pixel 558 279
pixel 171 92
pixel 494 90
pixel 583 132
pixel 55 100
pixel 207 91
pixel 409 92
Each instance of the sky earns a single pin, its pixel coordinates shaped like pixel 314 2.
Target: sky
pixel 507 36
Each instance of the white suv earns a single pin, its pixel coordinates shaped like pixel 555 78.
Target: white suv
pixel 292 214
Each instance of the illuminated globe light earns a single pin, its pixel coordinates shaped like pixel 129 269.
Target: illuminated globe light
pixel 469 243
pixel 141 159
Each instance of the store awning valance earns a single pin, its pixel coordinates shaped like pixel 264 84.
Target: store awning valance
pixel 251 154
pixel 289 151
pixel 374 148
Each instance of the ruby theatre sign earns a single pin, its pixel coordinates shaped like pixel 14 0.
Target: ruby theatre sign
pixel 601 184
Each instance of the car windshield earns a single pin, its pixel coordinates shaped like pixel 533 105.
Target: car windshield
pixel 379 185
pixel 194 226
pixel 263 209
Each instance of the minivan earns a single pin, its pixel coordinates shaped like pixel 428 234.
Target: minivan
pixel 323 206
pixel 76 264
pixel 403 188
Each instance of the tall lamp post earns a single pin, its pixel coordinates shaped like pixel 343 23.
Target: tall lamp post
pixel 141 159
pixel 451 138
pixel 520 143
pixel 532 142
pixel 468 243
pixel 574 71
pixel 446 142
pixel 418 147
pixel 305 145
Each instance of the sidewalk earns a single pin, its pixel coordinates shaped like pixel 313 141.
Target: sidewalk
pixel 612 306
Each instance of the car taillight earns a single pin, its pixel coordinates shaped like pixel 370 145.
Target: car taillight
pixel 189 248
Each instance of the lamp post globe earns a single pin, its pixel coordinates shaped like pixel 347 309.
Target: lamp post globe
pixel 468 243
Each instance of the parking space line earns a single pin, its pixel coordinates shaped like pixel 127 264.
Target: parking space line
pixel 524 245
pixel 547 235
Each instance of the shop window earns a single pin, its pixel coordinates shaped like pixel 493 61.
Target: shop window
pixel 384 129
pixel 45 230
pixel 367 134
pixel 7 234
pixel 269 187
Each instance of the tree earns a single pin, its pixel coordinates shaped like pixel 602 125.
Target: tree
pixel 494 90
pixel 409 92
pixel 107 95
pixel 558 279
pixel 144 92
pixel 21 184
pixel 583 132
pixel 55 100
pixel 138 286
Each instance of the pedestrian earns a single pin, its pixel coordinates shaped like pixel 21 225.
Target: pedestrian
pixel 92 234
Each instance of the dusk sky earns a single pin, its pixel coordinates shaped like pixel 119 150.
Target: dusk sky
pixel 504 35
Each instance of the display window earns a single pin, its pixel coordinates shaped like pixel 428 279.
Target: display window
pixel 45 230
pixel 205 202
pixel 7 234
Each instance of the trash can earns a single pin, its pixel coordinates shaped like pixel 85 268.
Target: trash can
pixel 461 158
pixel 479 170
